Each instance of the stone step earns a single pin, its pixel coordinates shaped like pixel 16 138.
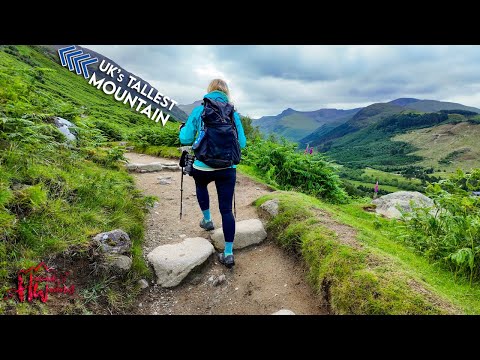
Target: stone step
pixel 173 262
pixel 152 167
pixel 247 232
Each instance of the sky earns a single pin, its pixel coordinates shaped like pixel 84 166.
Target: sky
pixel 267 79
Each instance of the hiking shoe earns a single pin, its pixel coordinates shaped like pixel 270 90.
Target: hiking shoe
pixel 207 225
pixel 228 261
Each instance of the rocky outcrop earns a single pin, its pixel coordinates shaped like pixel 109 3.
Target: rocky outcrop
pixel 113 242
pixel 270 207
pixel 387 204
pixel 64 127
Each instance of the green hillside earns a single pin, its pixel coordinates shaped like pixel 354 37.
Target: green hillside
pixel 365 117
pixel 54 196
pixel 446 147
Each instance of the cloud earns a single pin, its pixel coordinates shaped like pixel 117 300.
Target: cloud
pixel 266 79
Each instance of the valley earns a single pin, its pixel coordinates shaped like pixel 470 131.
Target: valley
pixel 419 141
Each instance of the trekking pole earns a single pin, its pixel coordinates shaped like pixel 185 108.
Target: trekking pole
pixel 181 196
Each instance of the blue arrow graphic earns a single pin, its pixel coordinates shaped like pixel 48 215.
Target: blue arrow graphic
pixel 69 58
pixel 62 51
pixel 76 61
pixel 86 75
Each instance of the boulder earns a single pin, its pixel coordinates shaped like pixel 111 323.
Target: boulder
pixel 173 262
pixel 284 312
pixel 64 127
pixel 271 207
pixel 247 232
pixel 113 242
pixel 387 205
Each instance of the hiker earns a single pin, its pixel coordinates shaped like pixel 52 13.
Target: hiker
pixel 203 174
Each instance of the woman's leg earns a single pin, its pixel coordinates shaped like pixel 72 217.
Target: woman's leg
pixel 225 183
pixel 202 179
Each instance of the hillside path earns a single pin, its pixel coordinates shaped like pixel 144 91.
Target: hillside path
pixel 264 280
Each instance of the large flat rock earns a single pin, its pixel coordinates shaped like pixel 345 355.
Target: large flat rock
pixel 247 232
pixel 387 204
pixel 173 262
pixel 152 167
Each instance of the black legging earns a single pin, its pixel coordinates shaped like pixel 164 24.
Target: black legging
pixel 225 183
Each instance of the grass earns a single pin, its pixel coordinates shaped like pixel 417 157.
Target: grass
pixel 162 151
pixel 383 175
pixel 436 143
pixel 380 186
pixel 355 280
pixel 381 237
pixel 54 197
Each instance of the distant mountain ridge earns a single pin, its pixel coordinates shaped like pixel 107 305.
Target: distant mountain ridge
pixel 187 108
pixel 376 112
pixel 294 125
pixel 313 127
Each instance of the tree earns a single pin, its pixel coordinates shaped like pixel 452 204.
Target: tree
pixel 251 132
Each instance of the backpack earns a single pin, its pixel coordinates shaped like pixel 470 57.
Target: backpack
pixel 217 144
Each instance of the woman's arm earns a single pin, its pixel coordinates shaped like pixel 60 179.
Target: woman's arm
pixel 242 140
pixel 187 133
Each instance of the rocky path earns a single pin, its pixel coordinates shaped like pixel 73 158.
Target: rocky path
pixel 264 280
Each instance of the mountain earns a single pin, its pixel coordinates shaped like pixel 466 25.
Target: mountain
pixel 176 111
pixel 440 141
pixel 294 125
pixel 377 112
pixel 404 101
pixel 434 105
pixel 361 119
pixel 187 109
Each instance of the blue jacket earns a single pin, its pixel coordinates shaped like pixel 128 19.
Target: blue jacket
pixel 192 127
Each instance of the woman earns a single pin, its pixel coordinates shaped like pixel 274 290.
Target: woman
pixel 224 178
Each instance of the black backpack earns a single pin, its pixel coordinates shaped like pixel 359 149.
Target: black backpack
pixel 218 146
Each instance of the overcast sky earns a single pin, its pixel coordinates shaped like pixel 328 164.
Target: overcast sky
pixel 265 80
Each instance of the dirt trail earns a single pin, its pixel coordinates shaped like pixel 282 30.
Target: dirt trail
pixel 264 280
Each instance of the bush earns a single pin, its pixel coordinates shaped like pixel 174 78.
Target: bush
pixel 451 233
pixel 280 165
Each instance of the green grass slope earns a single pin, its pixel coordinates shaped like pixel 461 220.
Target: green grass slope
pixel 445 147
pixel 54 196
pixel 361 267
pixel 362 119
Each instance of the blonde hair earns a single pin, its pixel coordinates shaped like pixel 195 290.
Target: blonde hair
pixel 220 85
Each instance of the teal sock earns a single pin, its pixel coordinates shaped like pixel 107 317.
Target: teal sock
pixel 228 248
pixel 206 214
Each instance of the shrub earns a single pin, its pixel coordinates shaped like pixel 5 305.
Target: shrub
pixel 280 165
pixel 451 233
